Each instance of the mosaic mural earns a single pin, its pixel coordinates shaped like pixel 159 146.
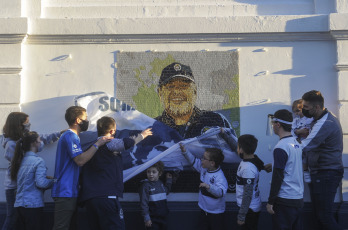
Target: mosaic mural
pixel 183 103
pixel 188 91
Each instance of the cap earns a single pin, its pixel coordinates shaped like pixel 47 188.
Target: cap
pixel 175 70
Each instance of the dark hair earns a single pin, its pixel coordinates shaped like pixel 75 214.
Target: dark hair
pixel 72 113
pixel 22 146
pixel 215 155
pixel 314 97
pixel 295 103
pixel 248 143
pixel 284 115
pixel 159 166
pixel 13 127
pixel 104 125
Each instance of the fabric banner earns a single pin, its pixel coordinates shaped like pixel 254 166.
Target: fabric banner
pixel 163 145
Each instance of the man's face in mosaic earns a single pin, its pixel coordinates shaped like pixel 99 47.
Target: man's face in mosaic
pixel 178 96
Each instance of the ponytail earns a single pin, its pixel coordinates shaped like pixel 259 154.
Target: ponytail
pixel 22 146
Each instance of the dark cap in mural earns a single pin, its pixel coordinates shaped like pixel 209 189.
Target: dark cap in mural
pixel 175 70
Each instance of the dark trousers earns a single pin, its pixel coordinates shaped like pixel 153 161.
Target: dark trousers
pixel 251 220
pixel 210 221
pixel 323 190
pixel 11 214
pixel 286 218
pixel 65 213
pixel 30 218
pixel 158 223
pixel 105 214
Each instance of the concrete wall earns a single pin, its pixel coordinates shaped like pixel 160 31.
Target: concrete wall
pixel 52 50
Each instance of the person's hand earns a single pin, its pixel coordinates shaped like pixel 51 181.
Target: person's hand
pixel 204 185
pixel 239 222
pixel 182 147
pixel 169 175
pixel 146 133
pixel 302 132
pixel 148 223
pixel 222 130
pixel 103 140
pixel 269 208
pixel 49 177
pixel 268 167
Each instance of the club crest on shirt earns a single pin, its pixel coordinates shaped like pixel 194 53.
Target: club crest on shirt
pixel 212 180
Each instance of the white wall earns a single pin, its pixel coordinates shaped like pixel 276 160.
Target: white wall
pixel 63 48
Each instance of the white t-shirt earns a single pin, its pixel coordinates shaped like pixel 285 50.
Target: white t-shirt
pixel 248 174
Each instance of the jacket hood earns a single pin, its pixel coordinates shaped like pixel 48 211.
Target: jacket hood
pixel 257 162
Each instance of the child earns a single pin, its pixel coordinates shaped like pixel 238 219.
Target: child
pixel 153 197
pixel 30 172
pixel 286 194
pixel 69 159
pixel 247 189
pixel 102 178
pixel 301 125
pixel 213 187
pixel 17 123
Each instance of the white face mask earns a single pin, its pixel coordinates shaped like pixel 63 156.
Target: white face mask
pixel 40 148
pixel 26 127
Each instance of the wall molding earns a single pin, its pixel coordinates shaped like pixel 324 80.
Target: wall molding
pixel 11 38
pixel 176 38
pixel 10 70
pixel 342 67
pixel 340 34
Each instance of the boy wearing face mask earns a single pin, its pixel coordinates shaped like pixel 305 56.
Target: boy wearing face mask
pixel 69 159
pixel 102 178
pixel 247 189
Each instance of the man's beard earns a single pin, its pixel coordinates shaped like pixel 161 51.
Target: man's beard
pixel 179 110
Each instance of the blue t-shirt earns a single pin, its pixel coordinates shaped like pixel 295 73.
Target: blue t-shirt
pixel 67 171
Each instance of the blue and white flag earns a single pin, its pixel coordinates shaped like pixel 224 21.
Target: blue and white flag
pixel 163 145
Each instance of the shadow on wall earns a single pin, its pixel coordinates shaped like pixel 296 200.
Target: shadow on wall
pixel 297 7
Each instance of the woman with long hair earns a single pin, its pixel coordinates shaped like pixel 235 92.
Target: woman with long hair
pixel 30 172
pixel 17 123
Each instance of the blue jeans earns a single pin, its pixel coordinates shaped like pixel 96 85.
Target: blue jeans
pixel 105 214
pixel 286 218
pixel 323 190
pixel 11 215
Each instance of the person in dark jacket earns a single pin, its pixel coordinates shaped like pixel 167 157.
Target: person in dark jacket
pixel 101 178
pixel 322 151
pixel 153 198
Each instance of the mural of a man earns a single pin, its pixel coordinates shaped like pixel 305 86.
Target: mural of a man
pixel 178 93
